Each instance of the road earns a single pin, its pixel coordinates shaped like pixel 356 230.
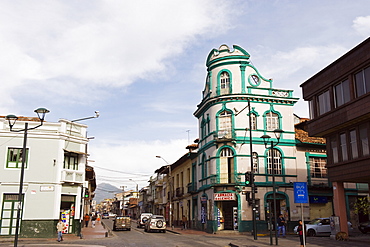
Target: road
pixel 138 238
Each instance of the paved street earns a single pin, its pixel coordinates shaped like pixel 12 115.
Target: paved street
pixel 95 237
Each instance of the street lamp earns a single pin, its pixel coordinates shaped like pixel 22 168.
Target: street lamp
pixel 11 120
pixel 253 185
pixel 266 139
pixel 137 186
pixel 170 186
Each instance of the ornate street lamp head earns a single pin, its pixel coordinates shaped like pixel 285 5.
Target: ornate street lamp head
pixel 41 113
pixel 11 120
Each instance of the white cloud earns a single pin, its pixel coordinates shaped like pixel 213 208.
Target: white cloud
pixel 133 157
pixel 98 43
pixel 362 25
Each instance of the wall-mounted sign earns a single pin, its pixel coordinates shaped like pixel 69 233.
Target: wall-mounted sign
pixel 46 188
pixel 224 197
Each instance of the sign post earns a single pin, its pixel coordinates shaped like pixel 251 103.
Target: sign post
pixel 301 196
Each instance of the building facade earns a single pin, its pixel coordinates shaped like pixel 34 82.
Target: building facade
pixel 339 106
pixel 224 144
pixel 54 178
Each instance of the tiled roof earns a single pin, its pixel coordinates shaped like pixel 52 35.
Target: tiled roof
pixel 302 136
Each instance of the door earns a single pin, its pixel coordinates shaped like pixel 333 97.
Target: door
pixel 9 214
pixel 324 228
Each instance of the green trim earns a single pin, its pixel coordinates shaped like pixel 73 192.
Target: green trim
pixel 242 71
pixel 17 154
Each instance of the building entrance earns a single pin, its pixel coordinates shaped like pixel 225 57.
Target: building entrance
pixel 225 217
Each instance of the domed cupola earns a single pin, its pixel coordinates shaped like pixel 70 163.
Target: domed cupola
pixel 230 72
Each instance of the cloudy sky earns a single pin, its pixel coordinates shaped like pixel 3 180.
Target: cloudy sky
pixel 142 64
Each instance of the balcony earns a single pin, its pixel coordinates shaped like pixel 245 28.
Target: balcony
pixel 224 135
pixel 191 188
pixel 179 192
pixel 72 176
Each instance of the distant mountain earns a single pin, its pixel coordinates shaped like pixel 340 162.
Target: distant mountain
pixel 105 191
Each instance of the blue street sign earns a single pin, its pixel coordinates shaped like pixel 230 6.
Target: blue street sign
pixel 300 192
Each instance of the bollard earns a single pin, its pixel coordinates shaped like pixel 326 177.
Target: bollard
pixel 106 234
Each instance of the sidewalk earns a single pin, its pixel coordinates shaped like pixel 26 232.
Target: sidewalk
pixel 238 239
pixel 87 233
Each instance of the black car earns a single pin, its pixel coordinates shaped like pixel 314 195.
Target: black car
pixel 364 227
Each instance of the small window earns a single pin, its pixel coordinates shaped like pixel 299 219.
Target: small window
pixel 272 121
pixel 253 121
pixel 276 162
pixel 364 141
pixel 353 143
pixel 324 102
pixel 70 161
pixel 343 146
pixel 318 167
pixel 342 93
pixel 15 158
pixel 362 82
pixel 255 162
pixel 334 149
pixel 225 83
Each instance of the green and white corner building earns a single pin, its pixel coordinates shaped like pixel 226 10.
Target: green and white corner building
pixel 224 145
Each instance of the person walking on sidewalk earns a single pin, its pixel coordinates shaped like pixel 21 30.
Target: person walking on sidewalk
pixel 300 233
pixel 281 225
pixel 93 219
pixel 86 219
pixel 184 221
pixel 60 229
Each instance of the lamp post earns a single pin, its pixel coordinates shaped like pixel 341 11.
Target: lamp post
pixel 253 185
pixel 11 120
pixel 266 140
pixel 170 185
pixel 137 197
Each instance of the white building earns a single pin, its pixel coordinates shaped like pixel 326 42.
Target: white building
pixel 53 181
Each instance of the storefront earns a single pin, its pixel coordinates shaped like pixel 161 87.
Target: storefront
pixel 227 211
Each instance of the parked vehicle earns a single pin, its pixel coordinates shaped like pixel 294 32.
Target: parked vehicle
pixel 318 226
pixel 364 227
pixel 143 219
pixel 155 223
pixel 122 223
pixel 105 216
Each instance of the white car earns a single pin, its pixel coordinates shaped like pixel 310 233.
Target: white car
pixel 318 226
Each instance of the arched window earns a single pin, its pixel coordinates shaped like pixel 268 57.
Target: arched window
pixel 224 123
pixel 225 83
pixel 255 162
pixel 227 174
pixel 272 121
pixel 277 162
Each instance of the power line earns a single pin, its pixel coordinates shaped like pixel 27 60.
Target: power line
pixel 136 174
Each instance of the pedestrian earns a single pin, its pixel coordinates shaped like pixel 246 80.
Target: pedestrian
pixel 300 230
pixel 281 225
pixel 86 219
pixel 93 219
pixel 98 219
pixel 184 221
pixel 60 228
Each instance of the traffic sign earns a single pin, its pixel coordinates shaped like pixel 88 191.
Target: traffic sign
pixel 300 192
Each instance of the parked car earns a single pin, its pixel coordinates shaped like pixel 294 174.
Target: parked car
pixel 143 219
pixel 112 215
pixel 364 227
pixel 155 223
pixel 122 223
pixel 105 216
pixel 318 226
